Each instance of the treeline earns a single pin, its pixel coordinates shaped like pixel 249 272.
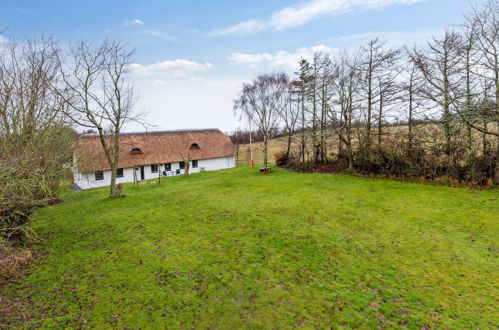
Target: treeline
pixel 429 111
pixel 44 93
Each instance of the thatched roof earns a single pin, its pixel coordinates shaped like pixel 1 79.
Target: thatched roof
pixel 155 148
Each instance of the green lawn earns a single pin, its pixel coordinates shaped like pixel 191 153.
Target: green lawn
pixel 237 248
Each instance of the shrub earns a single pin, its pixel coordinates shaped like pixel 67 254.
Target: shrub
pixel 281 159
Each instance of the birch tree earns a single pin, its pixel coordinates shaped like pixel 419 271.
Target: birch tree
pixel 258 103
pixel 98 95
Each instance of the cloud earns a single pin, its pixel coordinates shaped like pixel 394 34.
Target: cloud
pixel 248 27
pixel 279 60
pixel 392 38
pixel 161 35
pixel 169 69
pixel 188 103
pixel 303 13
pixel 135 21
pixel 19 10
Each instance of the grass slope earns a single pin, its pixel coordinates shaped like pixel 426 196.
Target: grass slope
pixel 235 248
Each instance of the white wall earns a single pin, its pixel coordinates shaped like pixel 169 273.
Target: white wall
pixel 87 180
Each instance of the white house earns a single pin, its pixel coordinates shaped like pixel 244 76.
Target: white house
pixel 148 155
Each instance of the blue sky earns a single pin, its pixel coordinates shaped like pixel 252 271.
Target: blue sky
pixel 193 55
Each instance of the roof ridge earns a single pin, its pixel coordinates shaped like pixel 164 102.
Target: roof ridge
pixel 187 130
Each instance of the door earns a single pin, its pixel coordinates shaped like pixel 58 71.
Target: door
pixel 142 176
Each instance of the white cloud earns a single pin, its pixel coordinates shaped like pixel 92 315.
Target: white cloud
pixel 279 60
pixel 3 40
pixel 301 14
pixel 170 68
pixel 135 21
pixel 187 103
pixel 242 28
pixel 161 35
pixel 392 38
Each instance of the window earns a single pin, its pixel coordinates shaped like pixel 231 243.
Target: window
pixel 181 165
pixel 168 167
pixel 154 168
pixel 194 164
pixel 194 146
pixel 99 175
pixel 135 151
pixel 119 173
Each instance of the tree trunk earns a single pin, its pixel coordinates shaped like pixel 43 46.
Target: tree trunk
pixel 314 128
pixel 485 145
pixel 447 117
pixel 303 127
pixel 410 137
pixel 369 105
pixel 112 187
pixel 265 150
pixel 496 173
pixel 114 165
pixel 469 134
pixel 469 143
pixel 288 149
pixel 340 145
pixel 380 120
pixel 350 156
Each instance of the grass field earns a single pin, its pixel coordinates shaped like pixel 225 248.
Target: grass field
pixel 427 134
pixel 275 146
pixel 237 248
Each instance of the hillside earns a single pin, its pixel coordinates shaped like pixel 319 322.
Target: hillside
pixel 427 135
pixel 236 248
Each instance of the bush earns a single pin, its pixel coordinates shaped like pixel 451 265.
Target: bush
pixel 30 174
pixel 281 159
pixel 298 166
pixel 396 159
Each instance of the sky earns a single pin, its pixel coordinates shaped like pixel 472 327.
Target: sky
pixel 192 56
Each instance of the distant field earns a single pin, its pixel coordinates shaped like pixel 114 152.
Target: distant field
pixel 427 134
pixel 275 146
pixel 239 249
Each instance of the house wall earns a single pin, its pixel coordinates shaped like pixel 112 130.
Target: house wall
pixel 87 180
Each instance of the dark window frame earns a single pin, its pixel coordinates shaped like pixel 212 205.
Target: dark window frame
pixel 99 175
pixel 195 163
pixel 118 174
pixel 168 166
pixel 154 168
pixel 136 151
pixel 181 165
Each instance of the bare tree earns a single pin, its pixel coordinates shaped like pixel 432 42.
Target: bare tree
pixel 448 89
pixel 482 31
pixel 410 85
pixel 389 93
pixel 341 112
pixel 98 95
pixel 289 111
pixel 258 103
pixel 439 66
pixel 301 87
pixel 326 75
pixel 377 58
pixel 186 157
